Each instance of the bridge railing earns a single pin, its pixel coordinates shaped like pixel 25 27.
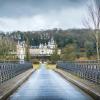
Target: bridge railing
pixel 89 70
pixel 9 70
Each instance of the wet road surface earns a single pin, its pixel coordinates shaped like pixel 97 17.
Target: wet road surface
pixel 48 85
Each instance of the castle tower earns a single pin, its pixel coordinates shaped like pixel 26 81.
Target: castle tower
pixel 21 51
pixel 52 44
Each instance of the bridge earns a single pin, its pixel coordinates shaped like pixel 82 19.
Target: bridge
pixel 70 80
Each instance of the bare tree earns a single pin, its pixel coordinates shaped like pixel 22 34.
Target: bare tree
pixel 93 21
pixel 7 46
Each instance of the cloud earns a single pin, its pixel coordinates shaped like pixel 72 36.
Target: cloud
pixel 28 15
pixel 19 8
pixel 66 18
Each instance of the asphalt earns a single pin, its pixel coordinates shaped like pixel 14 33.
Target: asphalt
pixel 46 84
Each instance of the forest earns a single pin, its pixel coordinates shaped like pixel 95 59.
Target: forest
pixel 81 42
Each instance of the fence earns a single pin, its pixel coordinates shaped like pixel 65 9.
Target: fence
pixel 10 69
pixel 89 70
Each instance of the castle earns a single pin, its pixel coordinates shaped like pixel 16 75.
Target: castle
pixel 44 49
pixel 41 50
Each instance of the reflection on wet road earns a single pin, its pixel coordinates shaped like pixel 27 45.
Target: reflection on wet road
pixel 48 85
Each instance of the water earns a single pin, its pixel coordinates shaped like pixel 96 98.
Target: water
pixel 46 84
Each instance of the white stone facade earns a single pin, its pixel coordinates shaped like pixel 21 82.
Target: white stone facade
pixel 44 49
pixel 21 50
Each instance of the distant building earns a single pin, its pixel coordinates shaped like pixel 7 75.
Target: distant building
pixel 44 49
pixel 41 50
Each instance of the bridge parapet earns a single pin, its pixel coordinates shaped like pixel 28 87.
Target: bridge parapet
pixel 9 70
pixel 89 70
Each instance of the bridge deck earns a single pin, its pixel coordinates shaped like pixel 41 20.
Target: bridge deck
pixel 48 85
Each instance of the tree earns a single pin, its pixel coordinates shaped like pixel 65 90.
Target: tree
pixel 55 56
pixel 93 21
pixel 27 48
pixel 69 52
pixel 89 49
pixel 7 46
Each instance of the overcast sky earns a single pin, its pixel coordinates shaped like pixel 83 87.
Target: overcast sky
pixel 27 15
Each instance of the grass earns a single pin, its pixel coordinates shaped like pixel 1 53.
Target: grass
pixel 36 66
pixel 51 66
pixel 48 66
